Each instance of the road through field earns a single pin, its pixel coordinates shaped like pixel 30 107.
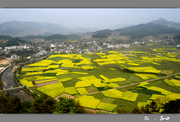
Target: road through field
pixel 134 84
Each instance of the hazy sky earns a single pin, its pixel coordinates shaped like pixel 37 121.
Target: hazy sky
pixel 90 17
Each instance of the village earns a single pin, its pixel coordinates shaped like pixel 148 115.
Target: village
pixel 79 48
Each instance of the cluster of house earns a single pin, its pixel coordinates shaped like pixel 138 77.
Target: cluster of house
pixel 19 47
pixel 41 53
pixel 91 42
pixel 116 45
pixel 7 49
pixel 57 48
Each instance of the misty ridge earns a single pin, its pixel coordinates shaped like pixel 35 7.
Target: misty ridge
pixel 35 30
pixel 20 29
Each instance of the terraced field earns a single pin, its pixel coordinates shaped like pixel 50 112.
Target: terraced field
pixel 97 80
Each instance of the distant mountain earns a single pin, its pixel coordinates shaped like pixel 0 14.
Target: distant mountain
pixel 119 26
pixel 83 30
pixel 164 22
pixel 20 29
pixel 142 30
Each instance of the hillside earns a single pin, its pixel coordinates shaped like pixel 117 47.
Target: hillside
pixel 4 39
pixel 32 38
pixel 177 39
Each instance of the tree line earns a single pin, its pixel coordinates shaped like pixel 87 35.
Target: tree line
pixel 41 104
pixel 45 104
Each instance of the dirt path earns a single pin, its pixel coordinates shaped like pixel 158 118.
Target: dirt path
pixel 135 83
pixel 46 83
pixel 65 95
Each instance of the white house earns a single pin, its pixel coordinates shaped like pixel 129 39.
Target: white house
pixel 110 46
pixel 126 45
pixel 13 47
pixel 29 57
pixel 7 48
pixel 52 45
pixel 30 47
pixel 178 46
pixel 14 57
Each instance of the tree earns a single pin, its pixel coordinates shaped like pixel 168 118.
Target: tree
pixel 10 104
pixel 161 101
pixel 123 111
pixel 80 109
pixel 172 106
pixel 152 108
pixel 65 105
pixel 140 110
pixel 43 104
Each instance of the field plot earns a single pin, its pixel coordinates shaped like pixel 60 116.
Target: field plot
pixel 52 90
pixel 26 83
pixel 106 106
pixel 70 90
pixel 88 101
pixel 82 91
pixel 95 79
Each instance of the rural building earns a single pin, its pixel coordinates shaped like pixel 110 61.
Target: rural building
pixel 14 57
pixel 178 46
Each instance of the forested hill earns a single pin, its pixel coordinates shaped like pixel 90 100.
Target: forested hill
pixel 5 37
pixel 177 39
pixel 14 42
pixel 102 33
pixel 56 38
pixel 31 38
pixel 73 36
